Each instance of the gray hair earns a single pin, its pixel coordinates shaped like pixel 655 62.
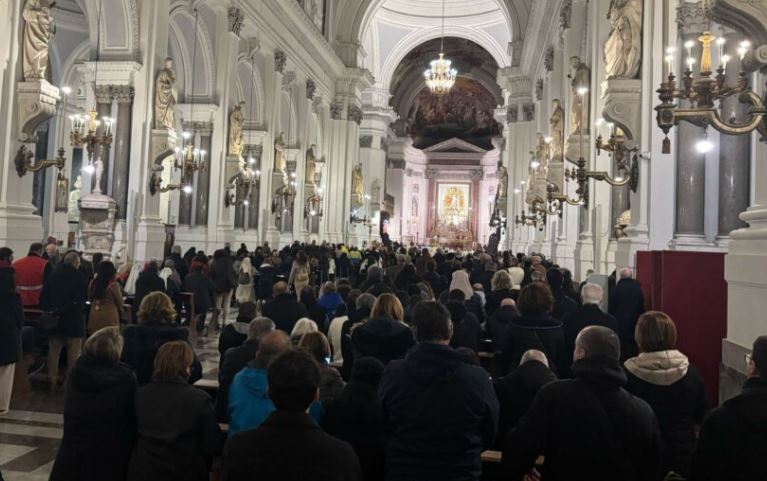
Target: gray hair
pixel 626 273
pixel 72 258
pixel 176 249
pixel 592 293
pixel 365 300
pixel 259 327
pixel 534 355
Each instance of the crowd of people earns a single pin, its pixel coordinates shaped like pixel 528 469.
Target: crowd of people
pixel 383 364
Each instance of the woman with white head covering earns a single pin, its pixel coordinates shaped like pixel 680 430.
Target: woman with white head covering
pixel 461 283
pixel 245 292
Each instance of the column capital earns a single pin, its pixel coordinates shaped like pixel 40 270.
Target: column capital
pixel 123 94
pixel 104 94
pixel 280 61
pixel 236 20
pixel 691 18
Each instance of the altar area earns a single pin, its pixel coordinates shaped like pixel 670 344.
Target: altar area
pixel 452 225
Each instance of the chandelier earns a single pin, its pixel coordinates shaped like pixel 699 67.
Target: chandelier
pixel 440 76
pixel 702 93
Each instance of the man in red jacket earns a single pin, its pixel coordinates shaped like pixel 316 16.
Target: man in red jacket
pixel 30 272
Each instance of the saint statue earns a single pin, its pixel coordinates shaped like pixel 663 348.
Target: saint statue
pixel 623 48
pixel 543 158
pixel 581 78
pixel 236 123
pixel 74 196
pixel 557 129
pixel 358 190
pixel 38 31
pixel 311 166
pixel 165 96
pixel 503 181
pixel 99 164
pixel 531 172
pixel 279 154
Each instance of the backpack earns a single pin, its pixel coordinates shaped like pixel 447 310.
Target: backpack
pixel 244 278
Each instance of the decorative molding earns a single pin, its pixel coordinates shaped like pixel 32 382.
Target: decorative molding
pixel 396 164
pixel 565 15
pixel 548 59
pixel 123 94
pixel 512 113
pixel 622 106
pixel 539 89
pixel 366 141
pixel 236 20
pixel 528 112
pixel 280 61
pixel 354 113
pixel 104 94
pixel 336 110
pixel 287 79
pixel 311 89
pixel 691 18
pixel 316 104
pixel 440 174
pixel 36 105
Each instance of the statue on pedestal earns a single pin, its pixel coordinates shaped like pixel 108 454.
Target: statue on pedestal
pixel 358 189
pixel 99 164
pixel 73 210
pixel 623 48
pixel 581 78
pixel 165 96
pixel 557 129
pixel 503 181
pixel 38 31
pixel 236 124
pixel 541 153
pixel 311 166
pixel 279 154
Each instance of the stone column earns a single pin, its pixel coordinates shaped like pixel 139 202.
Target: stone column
pixel 734 156
pixel 691 165
pixel 104 109
pixel 203 182
pixel 122 145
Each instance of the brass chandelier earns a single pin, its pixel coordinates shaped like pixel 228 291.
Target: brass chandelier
pixel 440 76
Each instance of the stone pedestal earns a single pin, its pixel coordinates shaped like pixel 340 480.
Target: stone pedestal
pixel 97 224
pixel 623 103
pixel 573 147
pixel 36 104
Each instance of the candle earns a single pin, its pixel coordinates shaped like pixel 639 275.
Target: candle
pixel 688 45
pixel 743 50
pixel 690 63
pixel 720 43
pixel 670 62
pixel 725 59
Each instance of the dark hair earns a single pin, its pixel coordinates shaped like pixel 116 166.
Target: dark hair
pixel 7 284
pixel 35 247
pixel 152 267
pixel 555 278
pixel 599 341
pixel 759 355
pixel 456 295
pixel 431 265
pixel 655 331
pixel 307 296
pixel 316 344
pixel 293 378
pixel 105 274
pixel 535 299
pixel 432 322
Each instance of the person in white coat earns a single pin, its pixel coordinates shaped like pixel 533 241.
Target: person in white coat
pixel 245 278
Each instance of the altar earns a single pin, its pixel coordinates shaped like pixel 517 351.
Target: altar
pixel 452 225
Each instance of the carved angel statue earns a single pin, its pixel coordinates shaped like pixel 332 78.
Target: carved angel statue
pixel 311 166
pixel 623 48
pixel 557 129
pixel 165 96
pixel 236 124
pixel 279 153
pixel 581 78
pixel 358 190
pixel 38 31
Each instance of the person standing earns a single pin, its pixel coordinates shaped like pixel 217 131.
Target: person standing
pixel 203 289
pixel 178 262
pixel 300 273
pixel 11 322
pixel 284 309
pixel 67 299
pixel 106 298
pixel 222 274
pixel 148 281
pixel 30 274
pixel 439 412
pixel 627 304
pixel 245 278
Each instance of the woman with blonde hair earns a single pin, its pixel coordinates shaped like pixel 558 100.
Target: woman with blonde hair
pixel 177 429
pixel 664 377
pixel 331 383
pixel 156 327
pixel 384 336
pixel 98 413
pixel 501 289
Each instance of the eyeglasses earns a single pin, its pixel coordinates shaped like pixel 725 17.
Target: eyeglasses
pixel 748 358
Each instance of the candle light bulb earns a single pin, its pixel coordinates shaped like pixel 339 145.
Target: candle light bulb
pixel 725 59
pixel 690 63
pixel 670 50
pixel 66 90
pixel 670 62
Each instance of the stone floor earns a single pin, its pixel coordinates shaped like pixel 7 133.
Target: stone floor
pixel 31 432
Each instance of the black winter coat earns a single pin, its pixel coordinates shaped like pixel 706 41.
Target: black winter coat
pixel 733 440
pixel 177 433
pixel 67 296
pixel 627 304
pixel 180 265
pixel 439 414
pixel 543 333
pixel 285 311
pixel 466 328
pixel 267 275
pixel 99 417
pixel 11 322
pixel 232 362
pixel 587 428
pixel 147 283
pixel 563 305
pixel 585 316
pixel 497 325
pixel 142 343
pixel 516 392
pixel 203 290
pixel 494 298
pixel 289 446
pixel 382 338
pixel 222 273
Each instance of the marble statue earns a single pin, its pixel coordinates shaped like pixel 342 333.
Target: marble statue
pixel 503 181
pixel 165 96
pixel 358 190
pixel 62 193
pixel 279 154
pixel 557 130
pixel 543 158
pixel 623 48
pixel 581 78
pixel 311 166
pixel 38 31
pixel 236 124
pixel 375 191
pixel 99 164
pixel 74 196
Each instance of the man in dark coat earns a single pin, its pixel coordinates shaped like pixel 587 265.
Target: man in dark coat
pixel 497 325
pixel 517 390
pixel 382 338
pixel 563 305
pixel 236 358
pixel 284 309
pixel 627 304
pixel 289 444
pixel 148 281
pixel 203 289
pixel 179 263
pixel 733 440
pixel 466 328
pixel 65 295
pixel 589 427
pixel 589 314
pixel 222 274
pixel 439 412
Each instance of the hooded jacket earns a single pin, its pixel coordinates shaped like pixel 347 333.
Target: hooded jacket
pixel 589 427
pixel 249 403
pixel 674 390
pixel 99 418
pixel 733 440
pixel 382 338
pixel 497 325
pixel 439 414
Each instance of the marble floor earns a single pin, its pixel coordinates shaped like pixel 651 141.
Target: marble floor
pixel 31 432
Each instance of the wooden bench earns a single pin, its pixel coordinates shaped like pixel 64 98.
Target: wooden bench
pixel 491 456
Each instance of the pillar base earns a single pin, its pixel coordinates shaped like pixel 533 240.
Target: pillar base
pixel 19 227
pixel 627 247
pixel 584 256
pixel 149 241
pixel 690 242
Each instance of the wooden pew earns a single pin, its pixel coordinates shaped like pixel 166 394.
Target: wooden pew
pixel 490 456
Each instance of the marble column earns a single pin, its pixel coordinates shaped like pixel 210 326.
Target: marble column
pixel 203 183
pixel 122 144
pixel 734 156
pixel 620 204
pixel 691 165
pixel 104 109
